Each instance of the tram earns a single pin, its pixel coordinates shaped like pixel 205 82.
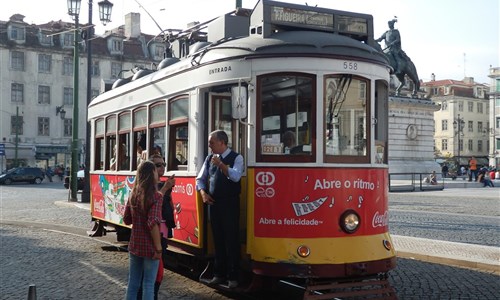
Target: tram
pixel 303 96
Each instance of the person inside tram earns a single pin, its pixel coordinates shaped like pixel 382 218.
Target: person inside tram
pixel 142 153
pixel 157 150
pixel 123 159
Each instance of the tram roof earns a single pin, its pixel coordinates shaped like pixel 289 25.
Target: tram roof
pixel 296 43
pixel 274 29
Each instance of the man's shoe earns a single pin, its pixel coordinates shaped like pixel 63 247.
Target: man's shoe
pixel 216 280
pixel 232 284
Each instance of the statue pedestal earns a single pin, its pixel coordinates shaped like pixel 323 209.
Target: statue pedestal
pixel 411 135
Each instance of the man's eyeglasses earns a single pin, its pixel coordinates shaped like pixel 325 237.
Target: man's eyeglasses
pixel 159 165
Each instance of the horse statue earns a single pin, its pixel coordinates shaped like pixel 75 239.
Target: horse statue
pixel 399 61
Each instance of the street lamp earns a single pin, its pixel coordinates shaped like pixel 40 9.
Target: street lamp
pixel 60 112
pixel 105 8
pixel 458 125
pixel 74 11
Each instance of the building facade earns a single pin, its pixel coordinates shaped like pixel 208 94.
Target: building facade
pixel 494 129
pixel 36 84
pixel 462 124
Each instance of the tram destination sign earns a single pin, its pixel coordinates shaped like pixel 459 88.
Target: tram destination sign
pixel 293 16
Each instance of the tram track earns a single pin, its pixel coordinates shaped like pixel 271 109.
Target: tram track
pixel 108 242
pixel 65 229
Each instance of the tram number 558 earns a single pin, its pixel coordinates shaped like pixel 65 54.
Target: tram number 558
pixel 350 65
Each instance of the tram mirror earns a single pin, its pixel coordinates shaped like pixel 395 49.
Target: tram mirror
pixel 239 102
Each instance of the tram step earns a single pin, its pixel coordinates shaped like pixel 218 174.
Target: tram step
pixel 366 289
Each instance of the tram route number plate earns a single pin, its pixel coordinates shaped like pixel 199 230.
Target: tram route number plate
pixel 272 149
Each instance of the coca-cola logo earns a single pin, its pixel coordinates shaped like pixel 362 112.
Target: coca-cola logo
pixel 380 220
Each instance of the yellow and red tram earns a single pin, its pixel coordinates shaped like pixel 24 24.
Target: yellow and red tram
pixel 303 95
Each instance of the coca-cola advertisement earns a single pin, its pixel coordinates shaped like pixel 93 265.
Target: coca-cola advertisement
pixel 308 203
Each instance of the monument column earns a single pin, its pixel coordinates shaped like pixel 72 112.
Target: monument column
pixel 411 128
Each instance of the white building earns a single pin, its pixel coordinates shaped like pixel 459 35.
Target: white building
pixel 36 84
pixel 462 124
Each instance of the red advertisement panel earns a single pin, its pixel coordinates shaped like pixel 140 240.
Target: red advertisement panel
pixel 185 213
pixel 110 194
pixel 307 203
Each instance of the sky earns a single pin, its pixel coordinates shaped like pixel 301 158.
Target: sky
pixel 451 38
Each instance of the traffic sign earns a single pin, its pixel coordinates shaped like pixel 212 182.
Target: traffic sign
pixel 2 149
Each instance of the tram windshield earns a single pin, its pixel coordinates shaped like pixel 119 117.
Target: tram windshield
pixel 345 117
pixel 287 103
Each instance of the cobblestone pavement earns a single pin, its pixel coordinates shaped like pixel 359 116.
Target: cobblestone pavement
pixel 67 266
pixel 456 215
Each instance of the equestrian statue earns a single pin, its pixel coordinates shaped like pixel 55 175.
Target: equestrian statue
pixel 399 61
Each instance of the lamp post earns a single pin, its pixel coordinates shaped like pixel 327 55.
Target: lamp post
pixel 74 11
pixel 105 8
pixel 458 125
pixel 16 144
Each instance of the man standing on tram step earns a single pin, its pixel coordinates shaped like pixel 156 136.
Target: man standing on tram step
pixel 219 185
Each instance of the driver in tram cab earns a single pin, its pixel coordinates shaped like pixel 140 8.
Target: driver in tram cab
pixel 289 141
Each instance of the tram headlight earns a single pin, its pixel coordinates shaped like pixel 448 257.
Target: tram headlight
pixel 349 221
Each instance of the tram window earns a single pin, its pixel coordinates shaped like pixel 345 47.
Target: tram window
pixel 111 150
pixel 122 161
pixel 157 129
pixel 221 116
pixel 346 111
pixel 157 141
pixel 99 145
pixel 110 140
pixel 140 152
pixel 139 123
pixel 286 108
pixel 381 117
pixel 124 126
pixel 177 154
pixel 99 154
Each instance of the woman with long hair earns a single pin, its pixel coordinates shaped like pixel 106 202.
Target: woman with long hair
pixel 143 211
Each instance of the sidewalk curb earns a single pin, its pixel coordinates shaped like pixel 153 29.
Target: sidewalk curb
pixel 485 258
pixel 449 261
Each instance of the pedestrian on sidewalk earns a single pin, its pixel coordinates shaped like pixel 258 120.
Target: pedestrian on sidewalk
pixel 483 178
pixel 444 170
pixel 473 169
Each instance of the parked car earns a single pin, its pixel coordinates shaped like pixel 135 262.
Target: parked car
pixel 23 174
pixel 80 175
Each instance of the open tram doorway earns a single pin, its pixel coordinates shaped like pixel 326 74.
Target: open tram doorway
pixel 221 119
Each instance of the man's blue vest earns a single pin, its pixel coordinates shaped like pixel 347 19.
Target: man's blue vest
pixel 220 186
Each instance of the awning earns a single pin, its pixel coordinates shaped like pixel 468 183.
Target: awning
pixel 481 161
pixel 52 149
pixel 47 152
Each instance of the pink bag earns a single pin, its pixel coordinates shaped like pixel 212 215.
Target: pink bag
pixel 163 229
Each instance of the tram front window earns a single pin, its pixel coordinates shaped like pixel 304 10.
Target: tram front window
pixel 286 110
pixel 346 109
